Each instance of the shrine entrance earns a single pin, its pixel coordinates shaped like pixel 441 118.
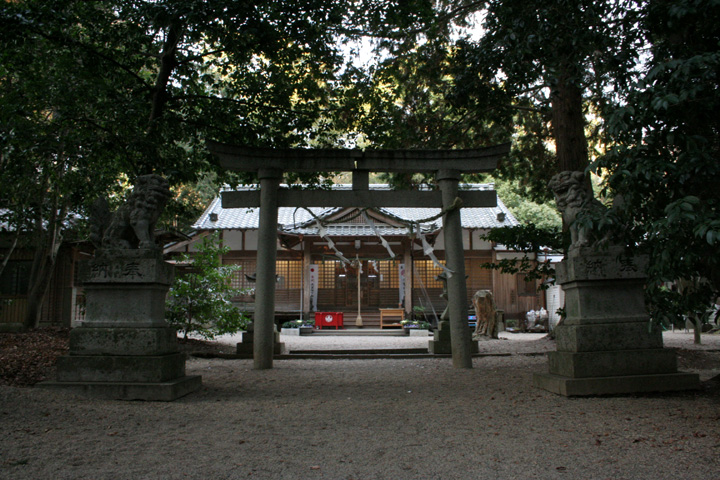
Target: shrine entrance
pixel 271 164
pixel 378 287
pixel 346 285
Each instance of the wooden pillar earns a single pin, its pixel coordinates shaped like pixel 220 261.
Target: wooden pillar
pixel 306 292
pixel 455 260
pixel 264 335
pixel 407 260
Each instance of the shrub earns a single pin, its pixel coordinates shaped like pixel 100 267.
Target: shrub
pixel 298 323
pixel 200 301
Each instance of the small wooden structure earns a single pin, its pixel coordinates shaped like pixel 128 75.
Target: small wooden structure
pixel 391 317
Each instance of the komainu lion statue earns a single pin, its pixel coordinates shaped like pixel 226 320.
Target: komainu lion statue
pixel 572 196
pixel 486 325
pixel 132 225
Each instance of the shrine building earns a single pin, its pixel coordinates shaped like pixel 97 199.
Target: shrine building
pixel 399 251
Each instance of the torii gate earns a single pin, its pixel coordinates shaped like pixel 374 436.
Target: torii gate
pixel 270 164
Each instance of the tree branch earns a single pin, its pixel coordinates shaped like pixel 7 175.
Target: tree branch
pixel 168 62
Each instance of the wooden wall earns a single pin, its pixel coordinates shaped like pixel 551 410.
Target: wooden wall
pixel 58 308
pixel 508 299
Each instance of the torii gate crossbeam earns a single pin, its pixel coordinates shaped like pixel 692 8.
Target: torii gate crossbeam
pixel 270 164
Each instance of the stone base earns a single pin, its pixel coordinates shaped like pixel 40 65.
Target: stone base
pixel 611 333
pixel 613 363
pixel 569 387
pixel 418 332
pixel 87 340
pixel 124 349
pixel 121 368
pixel 159 392
pixel 604 346
pixel 247 349
pixel 439 347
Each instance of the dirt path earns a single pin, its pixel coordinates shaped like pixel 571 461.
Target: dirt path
pixel 366 419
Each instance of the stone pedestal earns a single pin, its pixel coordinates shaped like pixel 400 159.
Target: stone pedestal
pixel 606 345
pixel 441 344
pixel 247 342
pixel 418 332
pixel 124 349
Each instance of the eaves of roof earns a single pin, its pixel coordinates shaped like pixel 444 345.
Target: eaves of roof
pixel 298 220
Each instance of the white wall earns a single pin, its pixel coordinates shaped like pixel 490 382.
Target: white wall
pixel 555 299
pixel 440 242
pixel 233 239
pixel 479 244
pixel 513 256
pixel 251 240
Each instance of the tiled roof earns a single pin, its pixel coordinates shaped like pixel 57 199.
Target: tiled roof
pixel 299 220
pixel 351 230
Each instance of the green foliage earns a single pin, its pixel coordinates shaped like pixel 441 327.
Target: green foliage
pixel 190 200
pixel 420 324
pixel 552 59
pixel 201 302
pixel 95 93
pixel 665 159
pixel 530 240
pixel 298 323
pixel 407 102
pixel 544 216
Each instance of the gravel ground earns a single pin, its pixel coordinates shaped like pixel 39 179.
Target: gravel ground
pixel 371 419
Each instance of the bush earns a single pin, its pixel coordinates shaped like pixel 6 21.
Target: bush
pixel 200 302
pixel 420 324
pixel 298 324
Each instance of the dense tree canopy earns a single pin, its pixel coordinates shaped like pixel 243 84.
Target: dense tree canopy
pixel 97 92
pixel 665 156
pixel 94 93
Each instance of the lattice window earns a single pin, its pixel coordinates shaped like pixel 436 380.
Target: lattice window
pixel 425 273
pixel 390 275
pixel 239 279
pixel 329 270
pixel 289 274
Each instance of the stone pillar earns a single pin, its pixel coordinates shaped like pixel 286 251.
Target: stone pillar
pixel 455 260
pixel 605 345
pixel 246 347
pixel 124 349
pixel 264 323
pixel 441 344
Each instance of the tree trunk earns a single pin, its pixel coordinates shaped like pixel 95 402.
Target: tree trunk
pixel 43 267
pixel 10 250
pixel 568 124
pixel 39 283
pixel 697 327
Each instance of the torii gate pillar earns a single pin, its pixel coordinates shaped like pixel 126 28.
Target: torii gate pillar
pixel 264 322
pixel 271 163
pixel 460 338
